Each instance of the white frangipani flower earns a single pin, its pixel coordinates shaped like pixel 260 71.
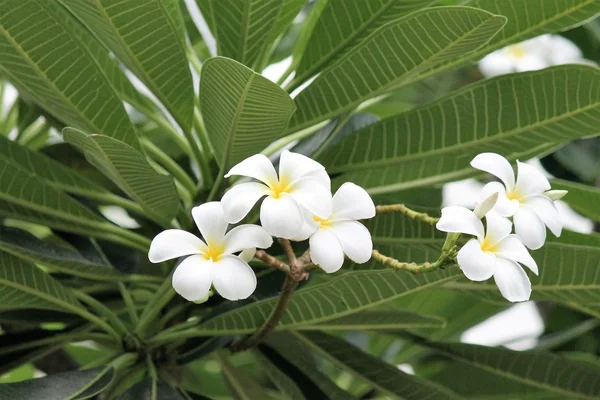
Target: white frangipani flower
pixel 211 261
pixel 494 252
pixel 525 200
pixel 340 233
pixel 302 184
pixel 533 54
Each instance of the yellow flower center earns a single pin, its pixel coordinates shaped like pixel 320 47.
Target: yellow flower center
pixel 324 222
pixel 487 246
pixel 278 188
pixel 214 252
pixel 514 195
pixel 517 51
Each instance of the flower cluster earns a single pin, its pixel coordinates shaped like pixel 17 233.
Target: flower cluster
pixel 530 55
pixel 497 252
pixel 297 204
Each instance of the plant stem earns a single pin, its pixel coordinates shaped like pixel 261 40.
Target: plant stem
pixel 216 185
pixel 284 141
pixel 402 209
pixel 164 294
pixel 286 73
pixel 101 309
pixel 112 199
pixel 170 165
pixel 129 304
pixel 177 138
pixel 95 320
pixel 272 261
pixel 342 120
pixel 67 337
pixel 407 266
pixel 127 237
pixel 204 167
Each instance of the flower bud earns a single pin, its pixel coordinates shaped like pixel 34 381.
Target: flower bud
pixel 486 205
pixel 555 194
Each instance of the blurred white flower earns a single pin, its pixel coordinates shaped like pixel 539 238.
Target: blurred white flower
pixel 340 233
pixel 524 200
pixel 302 183
pixel 494 252
pixel 211 262
pixel 533 54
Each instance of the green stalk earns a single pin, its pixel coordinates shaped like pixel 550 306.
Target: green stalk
pixel 284 141
pixel 129 304
pixel 286 73
pixel 67 337
pixel 343 119
pixel 101 309
pixel 177 138
pixel 169 164
pixel 127 237
pixel 200 129
pixel 164 294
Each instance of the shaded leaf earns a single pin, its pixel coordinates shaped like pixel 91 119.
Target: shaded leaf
pixel 436 142
pixel 331 37
pixel 128 169
pixel 243 111
pixel 241 386
pixel 26 246
pixel 380 374
pixel 147 37
pixel 295 352
pixel 542 370
pixel 378 320
pixel 68 83
pixel 583 198
pixel 150 390
pixel 435 36
pixel 280 379
pixel 340 296
pixel 243 29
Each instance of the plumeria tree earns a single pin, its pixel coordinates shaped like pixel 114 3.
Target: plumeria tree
pixel 210 199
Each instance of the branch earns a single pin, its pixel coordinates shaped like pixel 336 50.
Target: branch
pixel 402 209
pixel 407 266
pixel 272 261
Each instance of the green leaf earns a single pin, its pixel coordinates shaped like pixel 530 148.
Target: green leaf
pixel 378 320
pixel 583 198
pixel 26 286
pixel 72 385
pixel 435 143
pixel 241 386
pixel 343 295
pixel 380 374
pixel 542 370
pixel 147 38
pixel 243 29
pixel 568 274
pixel 52 172
pixel 150 390
pixel 331 37
pixel 295 352
pixel 243 111
pixel 54 67
pixel 127 168
pixel 24 196
pixel 525 19
pixel 383 60
pixel 26 246
pixel 280 379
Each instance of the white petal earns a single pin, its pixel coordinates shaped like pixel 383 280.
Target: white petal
pixel 247 254
pixel 355 240
pixel 258 167
pixel 293 166
pixel 512 280
pixel 461 220
pixel 246 236
pixel 497 227
pixel 192 278
pixel 322 175
pixel 532 62
pixel 352 202
pixel 233 278
pixel 496 63
pixel 530 180
pixel 476 264
pixel 563 51
pixel 309 226
pixel 496 165
pixel 326 251
pixel 485 206
pixel 174 243
pixel 210 220
pixel 529 228
pixel 504 206
pixel 512 248
pixel 311 193
pixel 239 200
pixel 281 217
pixel 544 208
